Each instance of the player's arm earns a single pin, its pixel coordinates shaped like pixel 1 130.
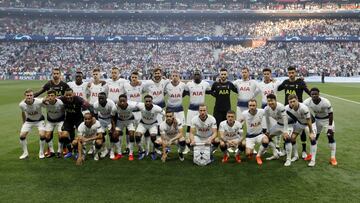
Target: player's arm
pixel 267 119
pixel 281 86
pixel 179 135
pixel 23 116
pixel 233 87
pixel 214 134
pixel 213 89
pixel 80 159
pixel 43 89
pixel 222 135
pixel 285 121
pixel 208 89
pixel 192 135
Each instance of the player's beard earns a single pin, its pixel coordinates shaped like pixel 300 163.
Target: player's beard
pixel 197 80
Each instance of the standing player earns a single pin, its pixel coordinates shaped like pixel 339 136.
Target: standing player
pixel 123 118
pixel 247 89
pixel 203 129
pixel 55 84
pixel 253 119
pixel 221 91
pixel 90 130
pixel 267 86
pixel 79 86
pixel 134 91
pixel 175 91
pixel 31 116
pixel 300 112
pixel 156 88
pixel 55 119
pixel 96 86
pixel 171 131
pixel 196 90
pixel 74 107
pixel 230 136
pixel 295 86
pixel 149 122
pixel 276 111
pixel 102 109
pixel 115 85
pixel 324 119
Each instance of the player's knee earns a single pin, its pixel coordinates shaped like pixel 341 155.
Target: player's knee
pixel 313 141
pixel 22 137
pixel 287 140
pixel 241 147
pixel 157 145
pixel 114 138
pixel 42 138
pixel 98 144
pixel 293 141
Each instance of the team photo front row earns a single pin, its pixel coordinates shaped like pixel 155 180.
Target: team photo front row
pixel 152 130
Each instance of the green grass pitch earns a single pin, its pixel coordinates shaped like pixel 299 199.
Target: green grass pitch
pixel 59 180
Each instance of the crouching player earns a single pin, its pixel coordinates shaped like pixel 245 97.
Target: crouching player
pixel 89 132
pixel 253 119
pixel 31 116
pixel 230 136
pixel 277 111
pixel 171 131
pixel 324 119
pixel 300 112
pixel 203 129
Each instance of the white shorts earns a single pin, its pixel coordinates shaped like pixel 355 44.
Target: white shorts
pixel 50 126
pixel 323 124
pixel 190 115
pixel 129 124
pixel 239 111
pixel 298 128
pixel 26 127
pixel 250 142
pixel 105 123
pixel 181 116
pixel 137 116
pixel 142 128
pixel 200 139
pixel 279 130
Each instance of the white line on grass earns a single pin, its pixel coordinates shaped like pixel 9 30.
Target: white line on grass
pixel 341 98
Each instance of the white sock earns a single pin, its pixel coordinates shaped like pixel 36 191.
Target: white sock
pixel 147 144
pixel 273 148
pixel 127 139
pixel 42 145
pixel 295 150
pixel 51 146
pixel 277 141
pixel 118 146
pixel 261 150
pixel 60 147
pixel 24 146
pixel 112 146
pixel 288 148
pixel 131 148
pixel 332 149
pixel 313 149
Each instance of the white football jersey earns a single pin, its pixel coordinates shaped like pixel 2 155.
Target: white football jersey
pixel 150 117
pixel 79 90
pixel 169 130
pixel 156 90
pixel 301 114
pixel 254 122
pixel 246 90
pixel 231 131
pixel 115 88
pixel 127 113
pixel 268 88
pixel 134 93
pixel 32 111
pixel 197 92
pixel 175 94
pixel 104 111
pixel 277 114
pixel 322 109
pixel 55 111
pixel 203 129
pixel 94 91
pixel 85 131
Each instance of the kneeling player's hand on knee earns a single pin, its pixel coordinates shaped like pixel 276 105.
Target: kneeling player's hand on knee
pixel 79 161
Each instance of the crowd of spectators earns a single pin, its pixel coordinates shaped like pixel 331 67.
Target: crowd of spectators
pixel 218 27
pixel 180 5
pixel 336 59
